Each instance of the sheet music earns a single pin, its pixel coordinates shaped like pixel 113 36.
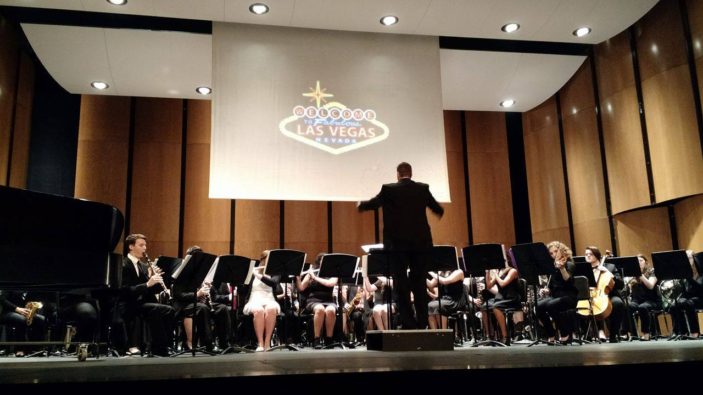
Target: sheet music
pixel 250 273
pixel 180 267
pixel 368 247
pixel 211 273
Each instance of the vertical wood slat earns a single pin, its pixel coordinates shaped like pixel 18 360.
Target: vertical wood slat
pixel 206 221
pixel 582 147
pixel 8 86
pixel 489 175
pixel 452 228
pixel 545 175
pixel 622 133
pixel 156 173
pixel 23 123
pixel 102 152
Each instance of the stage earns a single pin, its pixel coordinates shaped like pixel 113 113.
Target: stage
pixel 511 365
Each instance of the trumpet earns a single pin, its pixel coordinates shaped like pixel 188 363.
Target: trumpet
pixel 33 308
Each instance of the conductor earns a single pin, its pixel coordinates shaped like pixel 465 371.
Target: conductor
pixel 407 236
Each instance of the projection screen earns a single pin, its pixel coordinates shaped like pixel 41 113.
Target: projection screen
pixel 302 114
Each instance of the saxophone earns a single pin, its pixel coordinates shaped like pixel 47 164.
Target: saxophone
pixel 357 298
pixel 33 308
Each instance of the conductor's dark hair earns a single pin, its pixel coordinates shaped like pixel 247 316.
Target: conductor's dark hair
pixel 405 170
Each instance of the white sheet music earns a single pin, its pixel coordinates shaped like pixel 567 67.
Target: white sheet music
pixel 368 247
pixel 180 267
pixel 250 274
pixel 211 273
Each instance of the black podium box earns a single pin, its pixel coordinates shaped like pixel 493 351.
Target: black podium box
pixel 410 340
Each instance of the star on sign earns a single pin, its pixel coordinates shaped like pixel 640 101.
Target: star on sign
pixel 318 94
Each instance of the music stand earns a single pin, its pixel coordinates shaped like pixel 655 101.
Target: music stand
pixel 340 266
pixel 479 258
pixel 190 276
pixel 287 264
pixel 673 265
pixel 236 270
pixel 627 266
pixel 532 261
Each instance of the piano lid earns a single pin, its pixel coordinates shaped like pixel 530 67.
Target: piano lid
pixel 50 241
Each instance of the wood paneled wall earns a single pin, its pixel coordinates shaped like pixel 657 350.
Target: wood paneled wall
pixel 689 223
pixel 583 161
pixel 489 176
pixel 351 229
pixel 206 221
pixel 256 227
pixel 622 131
pixel 643 231
pixel 306 227
pixel 545 173
pixel 16 95
pixel 670 110
pixel 452 228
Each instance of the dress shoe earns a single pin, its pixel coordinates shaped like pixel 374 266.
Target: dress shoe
pixel 133 351
pixel 316 343
pixel 613 339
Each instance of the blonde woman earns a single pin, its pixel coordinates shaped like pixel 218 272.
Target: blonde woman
pixel 561 294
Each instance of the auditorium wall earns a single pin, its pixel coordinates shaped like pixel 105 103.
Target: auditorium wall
pixel 632 141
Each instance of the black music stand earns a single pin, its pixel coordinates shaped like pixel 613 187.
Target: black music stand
pixel 627 266
pixel 190 275
pixel 168 265
pixel 673 265
pixel 340 266
pixel 378 263
pixel 478 259
pixel 287 264
pixel 532 261
pixel 442 258
pixel 237 271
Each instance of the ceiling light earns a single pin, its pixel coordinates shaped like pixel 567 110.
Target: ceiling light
pixel 99 85
pixel 203 90
pixel 507 103
pixel 258 8
pixel 582 31
pixel 389 20
pixel 510 27
pixel 117 2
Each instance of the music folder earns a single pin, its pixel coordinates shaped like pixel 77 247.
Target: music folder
pixel 233 269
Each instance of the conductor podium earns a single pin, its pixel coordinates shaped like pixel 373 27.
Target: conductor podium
pixel 410 340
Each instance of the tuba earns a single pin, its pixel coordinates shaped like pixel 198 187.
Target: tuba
pixel 33 308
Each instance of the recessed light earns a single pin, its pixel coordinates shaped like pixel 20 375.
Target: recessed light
pixel 258 8
pixel 117 2
pixel 582 31
pixel 389 20
pixel 203 90
pixel 507 103
pixel 510 27
pixel 99 85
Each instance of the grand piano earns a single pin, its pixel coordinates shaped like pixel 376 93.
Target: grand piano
pixel 57 243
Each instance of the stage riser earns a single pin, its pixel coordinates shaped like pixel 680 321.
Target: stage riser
pixel 410 340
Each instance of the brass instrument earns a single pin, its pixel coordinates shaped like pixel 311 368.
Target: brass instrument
pixel 33 308
pixel 352 305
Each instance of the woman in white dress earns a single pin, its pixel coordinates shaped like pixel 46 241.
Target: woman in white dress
pixel 262 305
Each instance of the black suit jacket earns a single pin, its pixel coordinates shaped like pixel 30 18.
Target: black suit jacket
pixel 134 289
pixel 404 204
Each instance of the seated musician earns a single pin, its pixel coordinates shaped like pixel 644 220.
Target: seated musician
pixel 450 288
pixel 560 294
pixel 23 324
pixel 644 295
pixel 320 302
pixel 614 320
pixel 184 301
pixel 139 299
pixel 262 304
pixel 381 291
pixel 355 300
pixel 684 310
pixel 507 295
